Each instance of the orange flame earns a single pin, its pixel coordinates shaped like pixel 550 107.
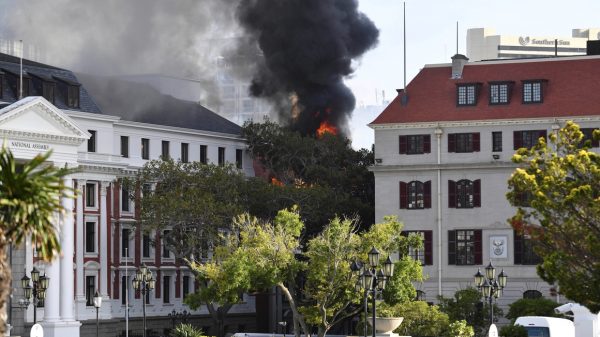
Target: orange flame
pixel 276 182
pixel 326 127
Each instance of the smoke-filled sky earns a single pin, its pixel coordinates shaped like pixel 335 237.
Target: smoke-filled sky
pixel 307 47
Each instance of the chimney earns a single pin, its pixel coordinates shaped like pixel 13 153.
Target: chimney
pixel 593 47
pixel 458 63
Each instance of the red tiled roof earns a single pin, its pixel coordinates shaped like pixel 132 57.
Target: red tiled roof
pixel 572 89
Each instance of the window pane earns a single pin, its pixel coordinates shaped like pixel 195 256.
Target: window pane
pixel 166 289
pixel 203 154
pixel 464 194
pixel 464 142
pixel 125 232
pixel 90 195
pixel 145 148
pixel 125 146
pixel 90 237
pixel 416 196
pixel 497 141
pixel 165 149
pixel 90 290
pixel 91 144
pixel 238 158
pixel 415 144
pixel 465 247
pixel 184 152
pixel 146 245
pixel 221 156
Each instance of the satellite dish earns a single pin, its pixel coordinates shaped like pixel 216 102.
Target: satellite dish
pixel 36 331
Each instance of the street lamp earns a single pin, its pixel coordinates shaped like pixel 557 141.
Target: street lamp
pixel 40 284
pixel 373 280
pixel 491 286
pixel 144 283
pixel 97 304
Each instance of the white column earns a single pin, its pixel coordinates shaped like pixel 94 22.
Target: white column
pixel 67 243
pixel 103 241
pixel 79 252
pixel 52 301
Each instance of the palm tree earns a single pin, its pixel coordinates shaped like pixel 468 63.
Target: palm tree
pixel 30 197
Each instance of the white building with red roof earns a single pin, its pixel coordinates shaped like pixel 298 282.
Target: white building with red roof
pixel 443 151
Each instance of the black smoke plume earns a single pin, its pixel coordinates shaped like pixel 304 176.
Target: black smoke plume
pixel 308 47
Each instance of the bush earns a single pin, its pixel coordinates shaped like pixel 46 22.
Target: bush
pixel 460 329
pixel 532 307
pixel 513 331
pixel 421 319
pixel 186 330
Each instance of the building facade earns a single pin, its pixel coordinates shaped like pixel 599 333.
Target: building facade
pixel 485 44
pixel 102 245
pixel 443 151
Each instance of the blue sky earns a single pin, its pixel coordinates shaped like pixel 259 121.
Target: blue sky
pixel 431 37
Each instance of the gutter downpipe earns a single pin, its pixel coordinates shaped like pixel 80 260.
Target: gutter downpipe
pixel 438 134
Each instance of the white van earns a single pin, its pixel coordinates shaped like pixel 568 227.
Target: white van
pixel 538 326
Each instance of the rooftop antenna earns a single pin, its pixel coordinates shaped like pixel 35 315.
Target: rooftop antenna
pixel 404 98
pixel 21 72
pixel 457 37
pixel 404 47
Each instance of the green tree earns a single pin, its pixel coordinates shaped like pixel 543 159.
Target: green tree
pixel 467 305
pixel 265 254
pixel 421 319
pixel 30 197
pixel 532 307
pixel 325 176
pixel 562 212
pixel 188 204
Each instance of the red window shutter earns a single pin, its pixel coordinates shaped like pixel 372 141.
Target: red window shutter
pixel 451 194
pixel 476 146
pixel 402 144
pixel 477 193
pixel 403 195
pixel 451 247
pixel 478 249
pixel 426 144
pixel 517 140
pixel 451 142
pixel 428 245
pixel 518 247
pixel 427 190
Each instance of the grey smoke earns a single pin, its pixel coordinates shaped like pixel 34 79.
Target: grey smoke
pixel 300 47
pixel 124 37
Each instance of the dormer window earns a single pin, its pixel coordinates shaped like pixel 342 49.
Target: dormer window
pixel 466 94
pixel 44 86
pixel 500 92
pixel 13 80
pixel 48 90
pixel 70 90
pixel 533 91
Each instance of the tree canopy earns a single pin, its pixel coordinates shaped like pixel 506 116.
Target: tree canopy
pixel 323 175
pixel 259 255
pixel 557 193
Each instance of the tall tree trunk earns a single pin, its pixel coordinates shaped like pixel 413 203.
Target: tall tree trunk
pixel 298 318
pixel 218 316
pixel 5 280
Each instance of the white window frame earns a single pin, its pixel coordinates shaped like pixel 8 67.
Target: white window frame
pixel 131 210
pixel 96 201
pixel 151 258
pixel 95 220
pixel 131 248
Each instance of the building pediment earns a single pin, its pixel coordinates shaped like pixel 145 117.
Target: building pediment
pixel 36 119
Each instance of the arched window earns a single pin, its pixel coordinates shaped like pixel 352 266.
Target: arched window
pixel 532 294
